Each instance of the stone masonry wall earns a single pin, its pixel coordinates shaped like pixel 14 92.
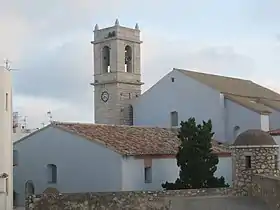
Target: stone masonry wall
pixel 263 161
pixel 268 189
pixel 161 200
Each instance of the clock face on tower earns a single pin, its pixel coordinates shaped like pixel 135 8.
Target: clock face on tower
pixel 104 96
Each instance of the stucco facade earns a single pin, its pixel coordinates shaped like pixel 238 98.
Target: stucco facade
pixel 81 165
pixel 163 169
pixel 191 98
pixel 6 158
pixel 85 166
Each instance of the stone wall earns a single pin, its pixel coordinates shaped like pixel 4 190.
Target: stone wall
pixel 267 188
pixel 161 200
pixel 263 161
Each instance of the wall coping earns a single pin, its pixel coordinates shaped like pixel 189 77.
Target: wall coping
pixel 254 146
pixel 267 177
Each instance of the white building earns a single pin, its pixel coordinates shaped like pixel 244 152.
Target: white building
pixel 6 162
pixel 74 157
pixel 234 105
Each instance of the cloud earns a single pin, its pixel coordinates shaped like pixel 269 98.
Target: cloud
pixel 159 57
pixel 49 41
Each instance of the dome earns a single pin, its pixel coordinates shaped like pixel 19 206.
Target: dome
pixel 254 137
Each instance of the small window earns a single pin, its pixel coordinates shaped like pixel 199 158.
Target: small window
pixel 172 79
pixel 52 173
pixel 174 118
pixel 248 162
pixel 15 157
pixel 276 162
pixel 6 102
pixel 148 175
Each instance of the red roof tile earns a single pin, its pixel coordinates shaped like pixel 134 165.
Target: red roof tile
pixel 275 132
pixel 132 140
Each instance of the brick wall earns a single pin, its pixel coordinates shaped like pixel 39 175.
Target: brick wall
pixel 160 200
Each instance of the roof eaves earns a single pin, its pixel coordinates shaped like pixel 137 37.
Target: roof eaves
pixel 31 134
pixel 253 108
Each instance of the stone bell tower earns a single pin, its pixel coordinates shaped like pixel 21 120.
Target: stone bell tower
pixel 117 73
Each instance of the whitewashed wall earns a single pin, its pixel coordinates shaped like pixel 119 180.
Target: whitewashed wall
pixel 163 170
pixel 265 122
pixel 6 158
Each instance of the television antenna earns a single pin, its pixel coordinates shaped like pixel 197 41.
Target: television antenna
pixel 49 113
pixel 7 65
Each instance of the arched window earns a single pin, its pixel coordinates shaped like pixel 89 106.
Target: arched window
pixel 128 59
pixel 29 188
pixel 130 114
pixel 52 173
pixel 106 59
pixel 236 131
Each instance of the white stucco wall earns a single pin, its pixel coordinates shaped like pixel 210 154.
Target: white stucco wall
pixel 6 158
pixel 185 95
pixel 82 166
pixel 265 122
pixel 237 115
pixel 163 169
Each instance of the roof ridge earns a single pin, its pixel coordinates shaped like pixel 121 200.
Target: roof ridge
pixel 212 74
pixel 109 125
pixel 248 96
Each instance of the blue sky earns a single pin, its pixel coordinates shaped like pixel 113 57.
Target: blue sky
pixel 49 41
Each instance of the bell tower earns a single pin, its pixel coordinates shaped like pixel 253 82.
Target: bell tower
pixel 117 73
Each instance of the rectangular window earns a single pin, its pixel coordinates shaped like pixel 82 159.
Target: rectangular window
pixel 248 162
pixel 148 175
pixel 172 79
pixel 52 173
pixel 6 102
pixel 174 118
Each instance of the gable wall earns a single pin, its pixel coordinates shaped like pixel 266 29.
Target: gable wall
pixel 237 115
pixel 163 169
pixel 82 166
pixel 274 120
pixel 186 96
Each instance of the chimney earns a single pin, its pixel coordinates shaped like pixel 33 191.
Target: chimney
pixel 265 122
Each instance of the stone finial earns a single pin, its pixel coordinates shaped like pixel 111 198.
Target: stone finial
pixel 117 23
pixel 137 26
pixel 96 28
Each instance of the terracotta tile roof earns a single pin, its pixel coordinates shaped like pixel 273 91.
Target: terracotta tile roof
pixel 132 140
pixel 275 132
pixel 239 90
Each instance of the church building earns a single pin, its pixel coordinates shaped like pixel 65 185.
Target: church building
pixel 131 146
pixel 234 105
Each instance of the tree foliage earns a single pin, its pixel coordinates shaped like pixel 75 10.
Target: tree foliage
pixel 195 158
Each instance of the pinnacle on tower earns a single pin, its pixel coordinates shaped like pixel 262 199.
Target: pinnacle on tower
pixel 96 28
pixel 137 26
pixel 117 22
